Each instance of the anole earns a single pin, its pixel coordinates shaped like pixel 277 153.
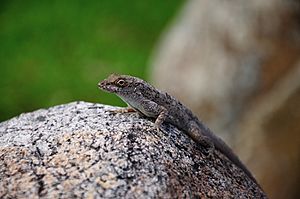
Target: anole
pixel 151 102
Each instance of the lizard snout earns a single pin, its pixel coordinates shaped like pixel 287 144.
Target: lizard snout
pixel 106 86
pixel 101 84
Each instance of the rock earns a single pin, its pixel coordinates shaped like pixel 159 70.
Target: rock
pixel 85 150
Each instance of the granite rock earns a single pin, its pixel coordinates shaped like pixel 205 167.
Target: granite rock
pixel 85 150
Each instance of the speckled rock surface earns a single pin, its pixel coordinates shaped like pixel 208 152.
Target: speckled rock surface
pixel 84 150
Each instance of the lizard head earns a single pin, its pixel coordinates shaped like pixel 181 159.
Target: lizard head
pixel 119 84
pixel 131 90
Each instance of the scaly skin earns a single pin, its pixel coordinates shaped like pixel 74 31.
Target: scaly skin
pixel 147 100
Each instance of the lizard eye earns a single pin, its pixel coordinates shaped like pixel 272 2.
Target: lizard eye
pixel 121 82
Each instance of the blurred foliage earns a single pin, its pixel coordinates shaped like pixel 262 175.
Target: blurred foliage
pixel 54 52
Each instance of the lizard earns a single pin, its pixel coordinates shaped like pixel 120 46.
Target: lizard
pixel 144 98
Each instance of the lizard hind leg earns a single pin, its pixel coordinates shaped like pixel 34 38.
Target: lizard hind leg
pixel 195 133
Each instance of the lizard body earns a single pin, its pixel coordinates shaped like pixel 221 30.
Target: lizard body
pixel 151 102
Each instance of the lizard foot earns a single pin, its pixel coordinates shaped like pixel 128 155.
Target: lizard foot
pixel 156 127
pixel 194 131
pixel 208 144
pixel 122 110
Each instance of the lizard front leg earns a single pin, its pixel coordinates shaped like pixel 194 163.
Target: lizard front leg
pixel 161 117
pixel 154 110
pixel 124 110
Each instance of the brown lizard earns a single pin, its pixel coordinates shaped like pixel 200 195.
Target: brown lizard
pixel 151 102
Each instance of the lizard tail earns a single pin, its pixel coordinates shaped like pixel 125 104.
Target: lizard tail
pixel 227 151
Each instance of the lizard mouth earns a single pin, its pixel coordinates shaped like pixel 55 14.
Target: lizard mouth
pixel 107 87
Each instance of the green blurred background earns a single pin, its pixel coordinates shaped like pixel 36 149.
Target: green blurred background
pixel 54 52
